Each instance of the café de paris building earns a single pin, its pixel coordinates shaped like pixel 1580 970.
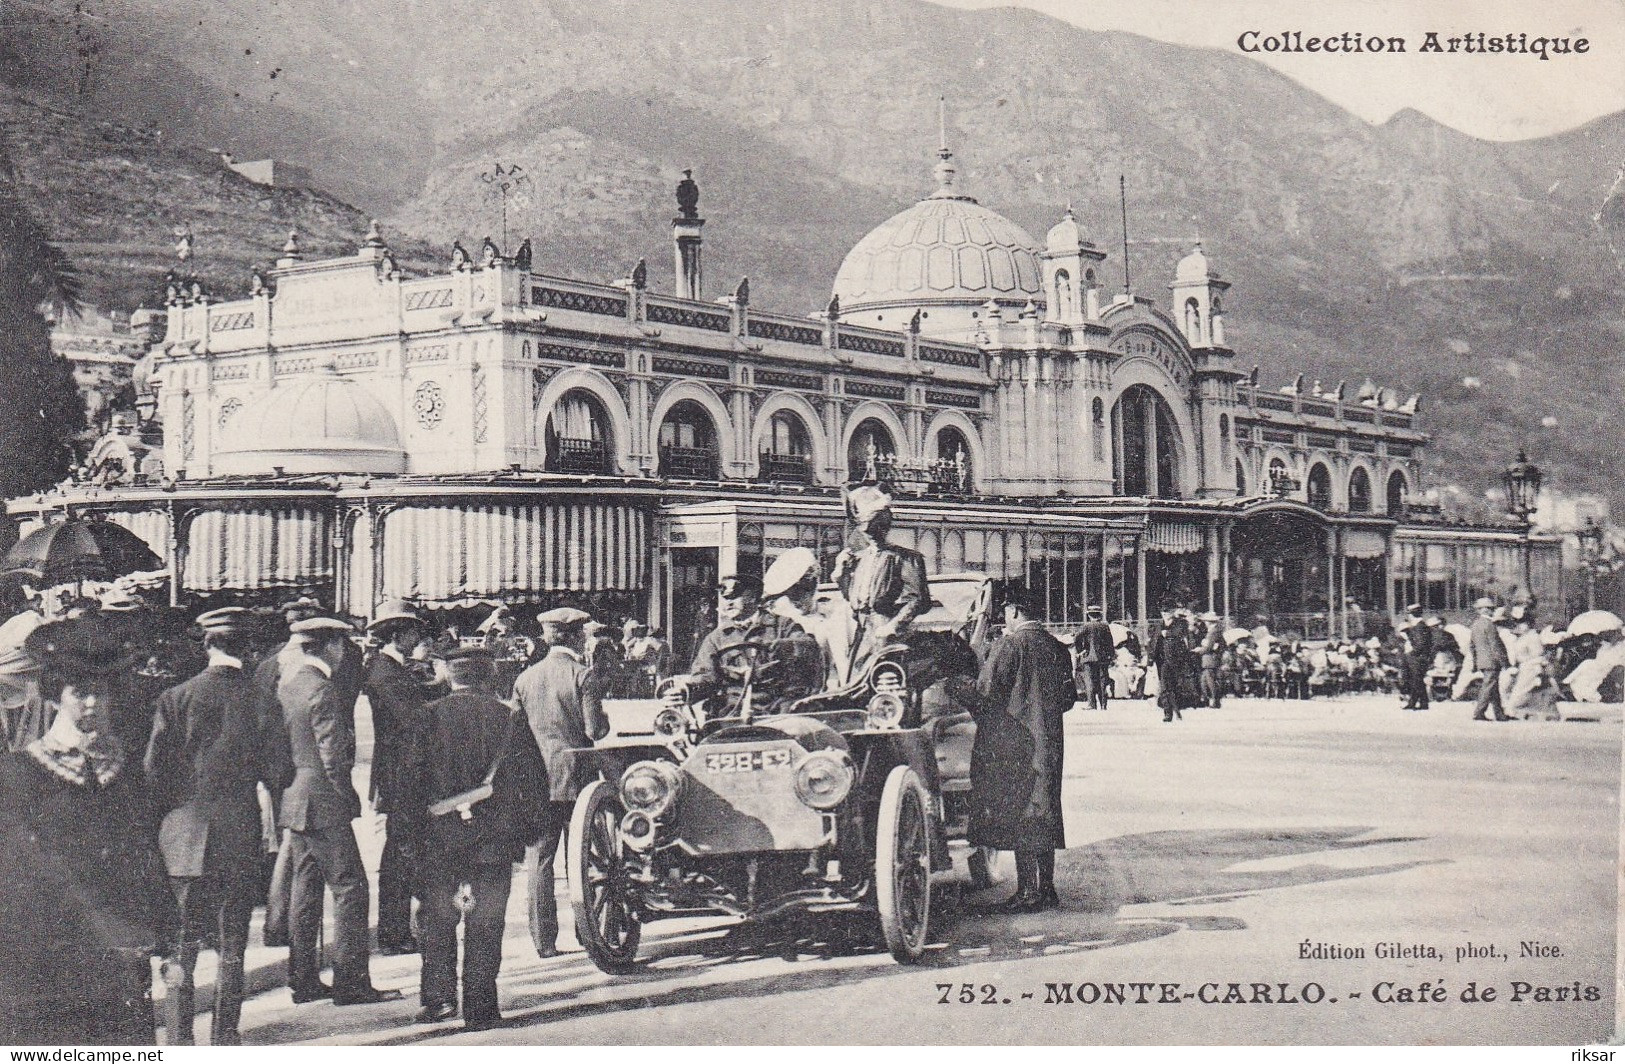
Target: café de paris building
pixel 490 433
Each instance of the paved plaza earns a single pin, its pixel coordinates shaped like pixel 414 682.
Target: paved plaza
pixel 1216 850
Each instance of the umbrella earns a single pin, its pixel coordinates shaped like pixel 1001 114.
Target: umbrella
pixel 1119 634
pixel 80 549
pixel 1594 622
pixel 1461 634
pixel 1236 635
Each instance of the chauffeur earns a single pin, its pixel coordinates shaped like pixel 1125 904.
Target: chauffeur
pixel 214 737
pixel 789 665
pixel 563 702
pixel 885 584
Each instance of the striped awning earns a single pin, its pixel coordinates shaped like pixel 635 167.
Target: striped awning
pixel 1364 543
pixel 1175 537
pixel 258 548
pixel 448 554
pixel 152 526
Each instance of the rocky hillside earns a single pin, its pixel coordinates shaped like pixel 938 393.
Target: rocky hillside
pixel 1480 274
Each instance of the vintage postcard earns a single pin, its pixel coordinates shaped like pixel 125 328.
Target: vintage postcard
pixel 870 521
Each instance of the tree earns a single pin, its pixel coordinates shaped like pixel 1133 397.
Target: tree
pixel 40 408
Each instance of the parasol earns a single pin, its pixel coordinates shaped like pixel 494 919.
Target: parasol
pixel 1462 635
pixel 1119 633
pixel 1236 635
pixel 80 549
pixel 1594 622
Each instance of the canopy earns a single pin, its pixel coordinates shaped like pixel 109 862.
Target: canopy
pixel 1594 622
pixel 1236 635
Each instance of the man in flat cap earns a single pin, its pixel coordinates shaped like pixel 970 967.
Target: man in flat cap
pixel 1417 638
pixel 563 702
pixel 742 618
pixel 317 810
pixel 478 789
pixel 214 737
pixel 1489 659
pixel 885 584
pixel 396 697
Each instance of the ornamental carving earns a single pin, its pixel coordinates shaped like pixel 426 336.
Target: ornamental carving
pixel 429 404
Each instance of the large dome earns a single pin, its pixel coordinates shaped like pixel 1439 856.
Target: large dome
pixel 945 249
pixel 324 423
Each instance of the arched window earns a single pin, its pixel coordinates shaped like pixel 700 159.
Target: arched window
pixel 1097 417
pixel 872 454
pixel 1320 487
pixel 1193 321
pixel 577 437
pixel 1241 478
pixel 1065 305
pixel 1145 445
pixel 1280 481
pixel 1397 490
pixel 787 451
pixel 1360 491
pixel 1224 438
pixel 688 443
pixel 952 470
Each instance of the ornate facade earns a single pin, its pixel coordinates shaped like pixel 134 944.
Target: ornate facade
pixel 557 436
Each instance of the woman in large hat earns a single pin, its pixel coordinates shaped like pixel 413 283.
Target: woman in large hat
pixel 79 911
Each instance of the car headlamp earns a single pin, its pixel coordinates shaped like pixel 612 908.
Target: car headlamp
pixel 886 710
pixel 888 677
pixel 650 787
pixel 824 779
pixel 669 724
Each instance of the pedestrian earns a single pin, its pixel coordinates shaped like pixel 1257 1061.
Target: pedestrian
pixel 1211 658
pixel 563 703
pixel 317 809
pixel 1417 644
pixel 215 739
pixel 882 582
pixel 1016 762
pixel 1095 655
pixel 1170 653
pixel 396 696
pixel 1489 658
pixel 478 785
pixel 84 894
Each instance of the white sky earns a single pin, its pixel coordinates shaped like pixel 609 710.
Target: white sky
pixel 1496 97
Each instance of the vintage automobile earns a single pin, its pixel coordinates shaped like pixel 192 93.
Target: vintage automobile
pixel 838 803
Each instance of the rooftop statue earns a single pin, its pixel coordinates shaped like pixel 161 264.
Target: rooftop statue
pixel 688 197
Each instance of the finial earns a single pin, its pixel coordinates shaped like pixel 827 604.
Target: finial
pixel 374 238
pixel 640 274
pixel 945 169
pixel 742 292
pixel 183 242
pixel 524 256
pixel 290 250
pixel 1197 226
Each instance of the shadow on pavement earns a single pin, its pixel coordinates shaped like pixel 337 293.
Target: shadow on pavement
pixel 1177 868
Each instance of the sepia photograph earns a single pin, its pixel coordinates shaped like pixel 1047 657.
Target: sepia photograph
pixel 884 522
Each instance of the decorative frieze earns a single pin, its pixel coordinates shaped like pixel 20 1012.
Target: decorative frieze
pixel 586 302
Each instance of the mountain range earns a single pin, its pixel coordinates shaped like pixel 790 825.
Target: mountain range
pixel 1487 276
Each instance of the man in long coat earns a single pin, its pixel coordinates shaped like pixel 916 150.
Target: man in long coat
pixel 561 698
pixel 317 809
pixel 214 738
pixel 1095 654
pixel 466 740
pixel 397 698
pixel 1170 652
pixel 1417 657
pixel 1016 763
pixel 1489 658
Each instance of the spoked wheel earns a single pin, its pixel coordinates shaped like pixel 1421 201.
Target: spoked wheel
pixel 903 864
pixel 608 925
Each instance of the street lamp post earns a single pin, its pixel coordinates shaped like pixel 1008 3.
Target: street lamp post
pixel 1521 480
pixel 1589 536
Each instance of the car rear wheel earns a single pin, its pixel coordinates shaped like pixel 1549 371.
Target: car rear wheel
pixel 608 925
pixel 903 864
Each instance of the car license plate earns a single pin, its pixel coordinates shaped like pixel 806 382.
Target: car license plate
pixel 747 761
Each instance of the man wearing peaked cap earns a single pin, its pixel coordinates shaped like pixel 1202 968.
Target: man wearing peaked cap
pixel 1094 653
pixel 883 583
pixel 317 809
pixel 396 698
pixel 214 738
pixel 563 702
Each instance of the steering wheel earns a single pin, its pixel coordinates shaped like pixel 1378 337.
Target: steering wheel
pixel 753 656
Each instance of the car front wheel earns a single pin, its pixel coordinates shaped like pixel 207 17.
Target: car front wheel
pixel 607 921
pixel 903 864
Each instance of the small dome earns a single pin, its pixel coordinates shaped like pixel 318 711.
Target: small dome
pixel 1194 267
pixel 942 249
pixel 324 423
pixel 1065 235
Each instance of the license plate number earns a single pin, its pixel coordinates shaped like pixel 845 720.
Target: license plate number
pixel 747 761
